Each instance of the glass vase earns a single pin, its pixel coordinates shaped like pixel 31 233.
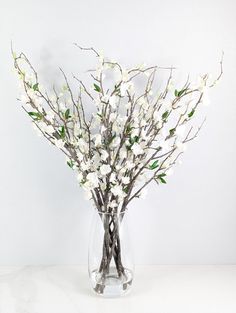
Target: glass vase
pixel 110 259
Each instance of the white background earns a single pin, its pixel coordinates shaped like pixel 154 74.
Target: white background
pixel 44 218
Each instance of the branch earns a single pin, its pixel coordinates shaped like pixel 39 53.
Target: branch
pixel 87 49
pixel 187 139
pixel 221 71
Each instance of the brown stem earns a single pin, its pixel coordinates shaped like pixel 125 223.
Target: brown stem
pixel 111 249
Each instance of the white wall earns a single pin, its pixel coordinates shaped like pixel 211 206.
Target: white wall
pixel 43 215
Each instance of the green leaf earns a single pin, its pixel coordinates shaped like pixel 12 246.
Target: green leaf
pixel 134 139
pixel 161 179
pixel 165 115
pixel 180 92
pixel 126 189
pixel 36 115
pixel 131 141
pixel 64 87
pixel 111 139
pixel 129 128
pixel 117 89
pixel 22 75
pixel 35 87
pixel 97 88
pixel 154 165
pixel 62 132
pixel 117 92
pixel 70 163
pixel 172 131
pixel 67 114
pixel 191 113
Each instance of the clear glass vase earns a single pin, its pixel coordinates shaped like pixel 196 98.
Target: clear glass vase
pixel 110 261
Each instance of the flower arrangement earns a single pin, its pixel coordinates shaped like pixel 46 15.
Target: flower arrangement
pixel 134 135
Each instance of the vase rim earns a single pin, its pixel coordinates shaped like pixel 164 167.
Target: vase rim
pixel 112 213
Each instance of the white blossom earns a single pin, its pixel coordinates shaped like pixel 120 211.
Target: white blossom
pixel 91 181
pixel 77 131
pixel 201 83
pixel 113 101
pixel 129 165
pixel 181 146
pixel 80 177
pixel 180 130
pixel 103 186
pixel 117 190
pixel 105 98
pixel 123 152
pixel 122 170
pixel 125 180
pixel 115 142
pixel 143 122
pixel 104 155
pixel 105 169
pixel 113 204
pixel 46 128
pixel 135 131
pixel 123 88
pixel 79 155
pixel 62 105
pixel 98 140
pixel 103 128
pixel 137 149
pixel 82 144
pixel 96 160
pixel 23 98
pixel 166 163
pixel 113 116
pixel 50 116
pixel 113 178
pixel 59 143
pixel 125 75
pixel 50 129
pixel 169 172
pixel 85 166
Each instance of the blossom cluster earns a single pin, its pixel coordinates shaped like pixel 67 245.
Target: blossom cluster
pixel 133 135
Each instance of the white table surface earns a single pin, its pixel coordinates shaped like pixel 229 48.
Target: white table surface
pixel 164 289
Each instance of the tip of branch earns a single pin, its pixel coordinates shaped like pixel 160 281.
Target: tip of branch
pixel 75 44
pixel 87 49
pixel 11 46
pixel 13 53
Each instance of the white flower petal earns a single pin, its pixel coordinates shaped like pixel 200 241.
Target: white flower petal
pixel 59 143
pixel 104 155
pixel 125 180
pixel 137 149
pixel 105 169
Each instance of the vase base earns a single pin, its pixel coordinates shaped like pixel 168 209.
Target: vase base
pixel 111 285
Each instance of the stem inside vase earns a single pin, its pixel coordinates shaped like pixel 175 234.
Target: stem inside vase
pixel 111 273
